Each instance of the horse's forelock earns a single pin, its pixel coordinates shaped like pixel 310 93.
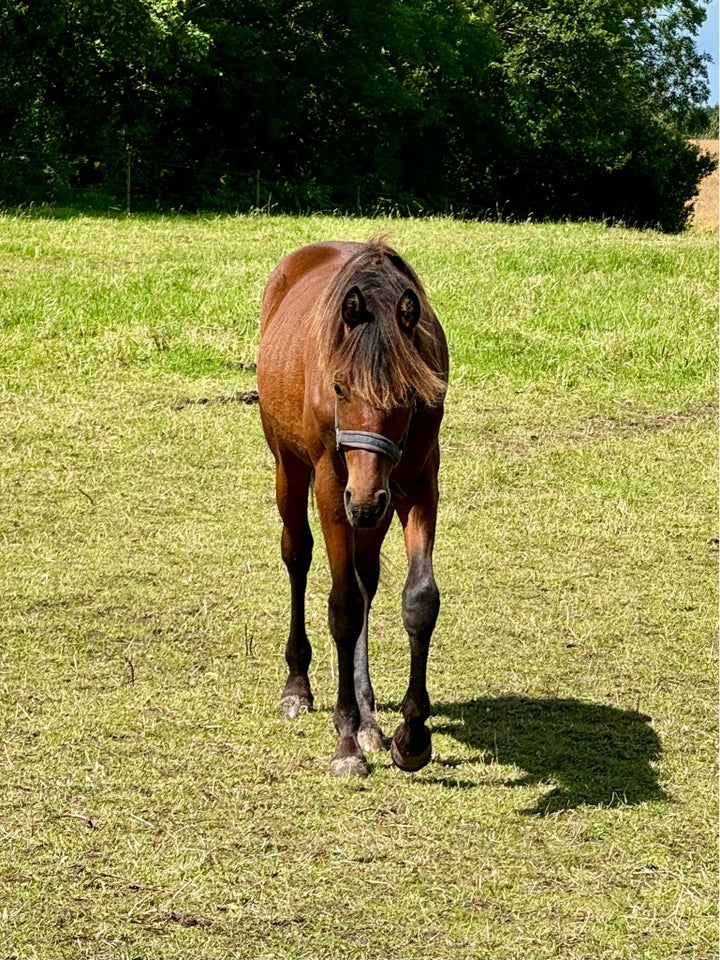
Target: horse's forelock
pixel 383 364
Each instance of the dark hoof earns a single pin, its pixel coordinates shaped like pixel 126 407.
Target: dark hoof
pixel 352 766
pixel 371 738
pixel 293 705
pixel 405 754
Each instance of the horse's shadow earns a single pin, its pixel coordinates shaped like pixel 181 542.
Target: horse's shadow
pixel 589 753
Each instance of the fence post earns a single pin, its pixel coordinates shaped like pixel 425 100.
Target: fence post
pixel 128 179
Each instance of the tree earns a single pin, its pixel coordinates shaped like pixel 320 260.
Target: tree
pixel 83 81
pixel 357 99
pixel 595 92
pixel 31 129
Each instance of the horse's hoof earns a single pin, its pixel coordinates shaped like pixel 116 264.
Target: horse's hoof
pixel 352 766
pixel 293 705
pixel 402 758
pixel 371 738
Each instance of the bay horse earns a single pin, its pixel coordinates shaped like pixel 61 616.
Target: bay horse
pixel 352 372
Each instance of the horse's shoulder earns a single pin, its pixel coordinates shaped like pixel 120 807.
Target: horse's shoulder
pixel 299 267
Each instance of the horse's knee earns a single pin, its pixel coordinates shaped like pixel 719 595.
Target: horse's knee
pixel 420 606
pixel 296 550
pixel 345 615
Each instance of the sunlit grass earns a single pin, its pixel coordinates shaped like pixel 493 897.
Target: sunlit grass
pixel 154 801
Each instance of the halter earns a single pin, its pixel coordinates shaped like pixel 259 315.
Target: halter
pixel 373 442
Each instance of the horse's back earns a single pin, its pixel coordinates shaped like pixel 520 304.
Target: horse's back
pixel 296 284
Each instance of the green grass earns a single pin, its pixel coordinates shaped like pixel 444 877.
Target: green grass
pixel 154 801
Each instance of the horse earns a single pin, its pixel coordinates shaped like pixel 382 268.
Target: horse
pixel 352 372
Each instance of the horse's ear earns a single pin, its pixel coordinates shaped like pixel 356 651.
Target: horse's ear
pixel 353 307
pixel 408 310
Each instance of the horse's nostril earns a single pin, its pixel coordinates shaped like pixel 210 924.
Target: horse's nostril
pixel 382 501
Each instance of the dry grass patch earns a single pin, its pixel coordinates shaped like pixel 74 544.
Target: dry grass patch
pixel 705 210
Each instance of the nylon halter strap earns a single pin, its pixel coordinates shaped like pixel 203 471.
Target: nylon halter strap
pixel 373 442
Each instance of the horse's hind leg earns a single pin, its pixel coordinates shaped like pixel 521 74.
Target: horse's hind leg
pixel 292 481
pixel 367 568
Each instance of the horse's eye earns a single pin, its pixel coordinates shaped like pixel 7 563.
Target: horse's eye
pixel 338 390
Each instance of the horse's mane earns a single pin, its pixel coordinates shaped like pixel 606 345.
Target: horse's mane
pixel 383 364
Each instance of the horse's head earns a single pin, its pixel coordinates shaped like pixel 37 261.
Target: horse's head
pixel 375 344
pixel 369 436
pixel 370 443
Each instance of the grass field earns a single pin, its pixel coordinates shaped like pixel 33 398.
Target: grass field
pixel 154 803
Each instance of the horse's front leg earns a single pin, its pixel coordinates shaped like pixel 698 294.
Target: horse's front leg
pixel 411 745
pixel 346 614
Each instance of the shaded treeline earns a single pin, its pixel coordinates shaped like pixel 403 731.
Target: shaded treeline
pixel 559 108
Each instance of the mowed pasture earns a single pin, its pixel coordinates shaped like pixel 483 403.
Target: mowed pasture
pixel 155 803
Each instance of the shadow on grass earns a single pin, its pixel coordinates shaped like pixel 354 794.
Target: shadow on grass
pixel 106 207
pixel 592 754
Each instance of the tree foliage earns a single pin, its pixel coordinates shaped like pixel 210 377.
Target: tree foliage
pixel 552 108
pixel 597 93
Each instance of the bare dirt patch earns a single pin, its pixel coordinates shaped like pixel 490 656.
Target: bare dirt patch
pixel 241 396
pixel 598 427
pixel 705 214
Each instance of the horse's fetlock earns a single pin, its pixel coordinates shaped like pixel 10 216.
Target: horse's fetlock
pixel 416 708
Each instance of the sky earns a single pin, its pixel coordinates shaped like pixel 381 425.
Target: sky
pixel 707 40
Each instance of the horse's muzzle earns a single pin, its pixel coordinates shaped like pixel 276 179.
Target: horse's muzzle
pixel 366 514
